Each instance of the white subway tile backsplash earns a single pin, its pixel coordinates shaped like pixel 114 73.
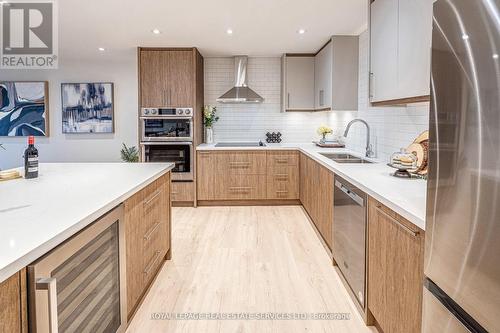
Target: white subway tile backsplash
pixel 392 127
pixel 250 122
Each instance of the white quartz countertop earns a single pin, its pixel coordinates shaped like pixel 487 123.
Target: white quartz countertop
pixel 38 214
pixel 407 197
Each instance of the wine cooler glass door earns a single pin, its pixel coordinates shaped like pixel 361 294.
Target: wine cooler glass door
pixel 78 287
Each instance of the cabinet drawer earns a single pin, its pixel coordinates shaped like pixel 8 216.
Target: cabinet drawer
pixel 241 163
pixel 152 208
pixel 278 158
pixel 283 183
pixel 156 245
pixel 182 191
pixel 237 187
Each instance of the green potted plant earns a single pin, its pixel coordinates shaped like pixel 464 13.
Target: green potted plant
pixel 129 154
pixel 209 118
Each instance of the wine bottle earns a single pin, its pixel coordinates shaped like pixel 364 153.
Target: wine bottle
pixel 31 159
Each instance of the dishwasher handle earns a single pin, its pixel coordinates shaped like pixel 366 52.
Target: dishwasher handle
pixel 356 198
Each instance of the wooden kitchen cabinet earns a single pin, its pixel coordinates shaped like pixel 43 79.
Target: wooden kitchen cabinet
pixel 180 84
pixel 147 235
pixel 298 82
pixel 241 175
pixel 13 304
pixel 247 175
pixel 153 71
pixel 316 195
pixel 206 175
pixel 182 192
pixel 282 175
pixel 395 270
pixel 400 51
pixel 166 77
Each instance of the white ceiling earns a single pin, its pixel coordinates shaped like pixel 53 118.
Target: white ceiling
pixel 261 27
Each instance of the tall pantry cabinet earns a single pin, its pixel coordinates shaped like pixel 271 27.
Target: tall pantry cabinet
pixel 173 78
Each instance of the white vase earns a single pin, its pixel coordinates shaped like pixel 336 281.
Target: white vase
pixel 209 135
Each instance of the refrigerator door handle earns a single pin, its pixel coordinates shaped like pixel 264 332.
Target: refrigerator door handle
pixel 456 310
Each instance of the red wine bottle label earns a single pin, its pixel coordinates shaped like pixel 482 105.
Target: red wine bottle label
pixel 32 165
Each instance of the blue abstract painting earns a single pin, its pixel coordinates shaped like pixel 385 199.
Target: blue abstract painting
pixel 87 107
pixel 23 108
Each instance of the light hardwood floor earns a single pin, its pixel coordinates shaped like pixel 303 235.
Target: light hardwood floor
pixel 246 260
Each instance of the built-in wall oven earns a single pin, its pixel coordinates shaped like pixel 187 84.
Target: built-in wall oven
pixel 349 235
pixel 179 153
pixel 80 285
pixel 166 124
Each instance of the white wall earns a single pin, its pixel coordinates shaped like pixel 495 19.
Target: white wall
pixel 58 147
pixel 391 127
pixel 250 122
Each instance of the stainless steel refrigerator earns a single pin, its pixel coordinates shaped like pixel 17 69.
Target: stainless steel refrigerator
pixel 462 250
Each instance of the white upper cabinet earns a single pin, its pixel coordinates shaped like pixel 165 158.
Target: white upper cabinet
pixel 383 50
pixel 345 73
pixel 415 43
pixel 298 83
pixel 323 62
pixel 327 80
pixel 400 50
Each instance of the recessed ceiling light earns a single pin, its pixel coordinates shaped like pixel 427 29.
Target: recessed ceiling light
pixel 156 31
pixel 102 49
pixel 465 36
pixel 229 31
pixel 495 56
pixel 301 31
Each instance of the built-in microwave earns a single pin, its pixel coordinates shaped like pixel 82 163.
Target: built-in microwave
pixel 179 153
pixel 164 124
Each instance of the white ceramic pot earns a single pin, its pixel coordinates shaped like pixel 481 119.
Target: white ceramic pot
pixel 209 135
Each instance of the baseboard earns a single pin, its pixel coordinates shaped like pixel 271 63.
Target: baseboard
pixel 248 202
pixel 182 203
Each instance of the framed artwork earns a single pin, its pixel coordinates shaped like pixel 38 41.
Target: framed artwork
pixel 24 108
pixel 87 107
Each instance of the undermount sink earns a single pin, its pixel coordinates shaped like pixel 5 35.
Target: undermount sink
pixel 346 158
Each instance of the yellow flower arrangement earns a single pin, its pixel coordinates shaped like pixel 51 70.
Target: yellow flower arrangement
pixel 323 131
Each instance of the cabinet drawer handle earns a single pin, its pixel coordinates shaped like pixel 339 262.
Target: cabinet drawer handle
pixel 240 189
pixel 405 228
pixel 173 192
pixel 281 192
pixel 370 83
pixel 239 163
pixel 148 269
pixel 281 160
pixel 153 197
pixel 281 177
pixel 150 233
pixel 204 153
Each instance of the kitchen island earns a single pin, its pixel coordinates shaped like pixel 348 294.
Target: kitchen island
pixel 42 215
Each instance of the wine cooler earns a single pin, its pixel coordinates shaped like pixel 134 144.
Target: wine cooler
pixel 80 285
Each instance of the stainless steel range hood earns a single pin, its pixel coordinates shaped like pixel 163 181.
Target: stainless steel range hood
pixel 240 93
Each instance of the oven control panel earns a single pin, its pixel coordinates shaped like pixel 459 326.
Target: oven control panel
pixel 166 112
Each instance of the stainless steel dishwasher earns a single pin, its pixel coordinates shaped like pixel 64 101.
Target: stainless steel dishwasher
pixel 349 235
